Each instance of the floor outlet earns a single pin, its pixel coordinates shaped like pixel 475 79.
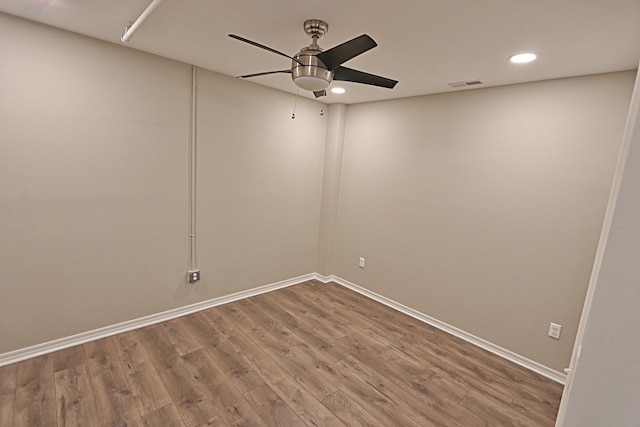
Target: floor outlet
pixel 554 330
pixel 361 262
pixel 194 276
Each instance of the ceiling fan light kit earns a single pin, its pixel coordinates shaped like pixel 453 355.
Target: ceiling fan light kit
pixel 314 69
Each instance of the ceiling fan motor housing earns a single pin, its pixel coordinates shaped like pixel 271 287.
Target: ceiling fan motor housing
pixel 313 75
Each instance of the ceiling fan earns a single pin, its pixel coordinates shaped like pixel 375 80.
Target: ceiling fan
pixel 314 69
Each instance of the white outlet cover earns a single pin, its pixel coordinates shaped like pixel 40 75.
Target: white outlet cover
pixel 554 330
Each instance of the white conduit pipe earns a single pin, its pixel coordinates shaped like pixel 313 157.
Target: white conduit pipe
pixel 192 167
pixel 132 28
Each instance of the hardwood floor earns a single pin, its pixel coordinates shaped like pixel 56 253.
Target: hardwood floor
pixel 309 355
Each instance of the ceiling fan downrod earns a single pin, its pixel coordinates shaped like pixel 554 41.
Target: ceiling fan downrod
pixel 316 29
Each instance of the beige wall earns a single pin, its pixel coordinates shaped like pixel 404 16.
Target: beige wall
pixel 334 147
pixel 260 181
pixel 94 150
pixel 483 208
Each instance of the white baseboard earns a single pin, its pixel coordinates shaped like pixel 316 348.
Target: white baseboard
pixel 62 343
pixel 81 338
pixel 486 345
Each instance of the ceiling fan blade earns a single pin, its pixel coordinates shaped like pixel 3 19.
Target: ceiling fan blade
pixel 351 75
pixel 261 46
pixel 264 73
pixel 319 93
pixel 340 54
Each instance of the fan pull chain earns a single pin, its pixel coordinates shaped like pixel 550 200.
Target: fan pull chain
pixel 295 102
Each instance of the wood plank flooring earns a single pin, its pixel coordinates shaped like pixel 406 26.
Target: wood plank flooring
pixel 313 354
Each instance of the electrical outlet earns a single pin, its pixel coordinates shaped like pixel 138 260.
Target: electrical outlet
pixel 554 330
pixel 194 276
pixel 361 262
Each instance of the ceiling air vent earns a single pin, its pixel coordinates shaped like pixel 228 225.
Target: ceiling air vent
pixel 457 85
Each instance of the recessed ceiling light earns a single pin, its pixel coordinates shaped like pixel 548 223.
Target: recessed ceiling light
pixel 337 90
pixel 523 58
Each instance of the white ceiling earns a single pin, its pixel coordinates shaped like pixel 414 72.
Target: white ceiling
pixel 425 44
